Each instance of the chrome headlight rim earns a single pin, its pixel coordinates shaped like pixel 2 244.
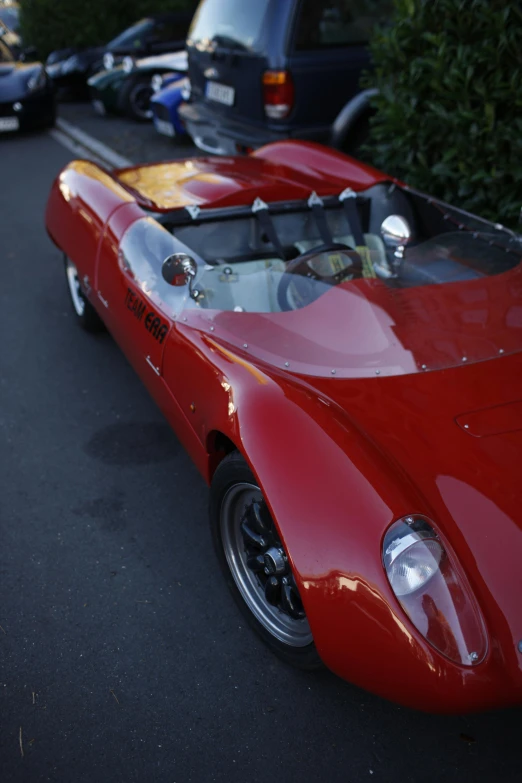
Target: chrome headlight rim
pixel 108 61
pixel 128 64
pixel 433 590
pixel 37 80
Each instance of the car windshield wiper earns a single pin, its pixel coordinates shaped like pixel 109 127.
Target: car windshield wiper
pixel 226 42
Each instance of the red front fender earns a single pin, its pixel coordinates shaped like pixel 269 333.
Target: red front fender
pixel 333 494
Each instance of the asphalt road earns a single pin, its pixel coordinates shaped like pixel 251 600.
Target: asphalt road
pixel 122 656
pixel 137 141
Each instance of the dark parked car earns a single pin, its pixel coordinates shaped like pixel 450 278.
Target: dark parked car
pixel 26 94
pixel 156 34
pixel 274 69
pixel 127 89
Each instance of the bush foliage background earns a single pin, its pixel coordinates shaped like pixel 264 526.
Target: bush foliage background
pixel 449 111
pixel 57 24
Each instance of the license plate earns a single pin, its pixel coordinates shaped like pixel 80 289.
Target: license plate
pixel 98 107
pixel 220 93
pixel 164 127
pixel 9 123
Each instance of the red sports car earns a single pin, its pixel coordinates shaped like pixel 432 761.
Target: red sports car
pixel 341 356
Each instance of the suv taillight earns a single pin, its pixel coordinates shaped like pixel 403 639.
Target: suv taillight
pixel 278 94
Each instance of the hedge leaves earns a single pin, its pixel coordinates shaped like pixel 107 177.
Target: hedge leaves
pixel 449 112
pixel 58 24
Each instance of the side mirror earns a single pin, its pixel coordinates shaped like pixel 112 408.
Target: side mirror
pixel 179 269
pixel 396 233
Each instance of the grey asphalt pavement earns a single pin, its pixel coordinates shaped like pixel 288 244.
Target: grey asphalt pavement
pixel 122 656
pixel 137 141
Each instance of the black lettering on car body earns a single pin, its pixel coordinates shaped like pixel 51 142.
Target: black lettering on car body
pixel 156 326
pixel 162 332
pixel 134 304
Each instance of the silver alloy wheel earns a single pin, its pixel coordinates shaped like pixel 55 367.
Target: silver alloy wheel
pixel 287 629
pixel 74 287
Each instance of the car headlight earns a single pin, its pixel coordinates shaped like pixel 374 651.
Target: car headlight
pixel 156 82
pixel 71 64
pixel 37 80
pixel 108 61
pixel 433 591
pixel 128 64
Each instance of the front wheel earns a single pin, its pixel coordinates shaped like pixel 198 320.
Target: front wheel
pixel 256 566
pixel 135 99
pixel 85 313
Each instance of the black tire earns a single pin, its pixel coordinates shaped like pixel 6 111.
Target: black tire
pixel 355 141
pixel 236 505
pixel 351 126
pixel 135 98
pixel 85 314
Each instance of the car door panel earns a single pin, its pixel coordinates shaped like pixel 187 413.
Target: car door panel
pixel 138 325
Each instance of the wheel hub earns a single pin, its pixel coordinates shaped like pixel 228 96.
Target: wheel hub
pixel 267 559
pixel 260 567
pixel 275 561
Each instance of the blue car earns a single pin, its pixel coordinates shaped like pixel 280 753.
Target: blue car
pixel 169 95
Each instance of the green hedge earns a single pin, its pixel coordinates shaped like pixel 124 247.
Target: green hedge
pixel 449 112
pixel 57 24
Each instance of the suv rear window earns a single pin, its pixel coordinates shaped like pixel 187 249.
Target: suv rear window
pixel 230 23
pixel 327 23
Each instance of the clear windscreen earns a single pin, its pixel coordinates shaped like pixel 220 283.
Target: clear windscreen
pixel 447 300
pixel 303 294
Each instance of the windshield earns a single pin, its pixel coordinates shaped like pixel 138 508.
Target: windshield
pixel 133 37
pixel 338 322
pixel 451 295
pixel 5 53
pixel 323 289
pixel 229 23
pixel 9 15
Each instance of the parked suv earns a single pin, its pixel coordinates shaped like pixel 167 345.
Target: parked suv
pixel 272 69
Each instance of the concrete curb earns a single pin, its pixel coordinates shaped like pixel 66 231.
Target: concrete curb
pixel 83 144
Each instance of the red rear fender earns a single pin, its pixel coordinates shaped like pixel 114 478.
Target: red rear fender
pixel 324 164
pixel 81 200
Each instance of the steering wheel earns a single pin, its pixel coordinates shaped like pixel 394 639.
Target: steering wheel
pixel 304 278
